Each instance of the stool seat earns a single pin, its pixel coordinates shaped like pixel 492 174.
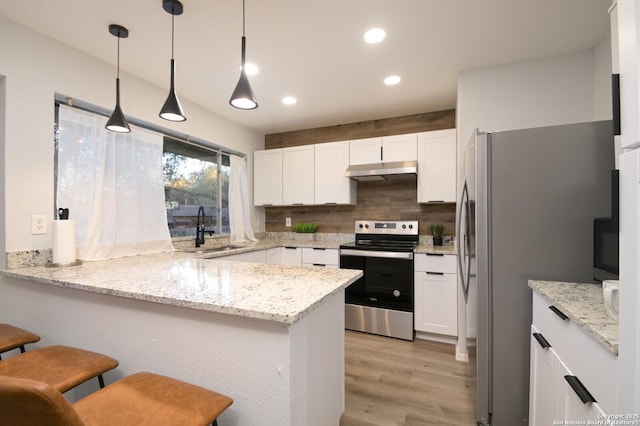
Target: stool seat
pixel 12 337
pixel 151 399
pixel 61 367
pixel 142 399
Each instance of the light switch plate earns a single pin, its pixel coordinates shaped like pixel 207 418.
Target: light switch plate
pixel 38 224
pixel 287 222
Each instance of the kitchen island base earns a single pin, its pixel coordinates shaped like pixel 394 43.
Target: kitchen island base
pixel 277 374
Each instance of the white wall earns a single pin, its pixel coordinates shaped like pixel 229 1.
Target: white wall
pixel 557 90
pixel 35 68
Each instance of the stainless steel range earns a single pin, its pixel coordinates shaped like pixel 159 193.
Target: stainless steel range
pixel 381 302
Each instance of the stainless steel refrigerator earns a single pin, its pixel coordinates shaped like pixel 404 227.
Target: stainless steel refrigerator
pixel 528 202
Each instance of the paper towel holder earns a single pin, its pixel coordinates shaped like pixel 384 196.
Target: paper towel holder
pixel 63 213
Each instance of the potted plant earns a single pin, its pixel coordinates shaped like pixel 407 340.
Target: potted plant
pixel 437 229
pixel 305 231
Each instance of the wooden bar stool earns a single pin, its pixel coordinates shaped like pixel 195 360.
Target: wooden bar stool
pixel 61 367
pixel 140 399
pixel 13 337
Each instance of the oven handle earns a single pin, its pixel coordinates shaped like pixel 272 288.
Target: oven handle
pixel 372 253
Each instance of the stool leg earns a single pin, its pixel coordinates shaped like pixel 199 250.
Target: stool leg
pixel 215 423
pixel 22 349
pixel 101 381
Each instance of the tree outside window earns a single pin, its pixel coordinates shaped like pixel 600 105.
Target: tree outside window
pixel 195 176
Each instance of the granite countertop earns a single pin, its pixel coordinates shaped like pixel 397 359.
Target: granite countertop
pixel 431 249
pixel 583 303
pixel 326 244
pixel 277 293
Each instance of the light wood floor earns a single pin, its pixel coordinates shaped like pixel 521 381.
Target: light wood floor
pixel 396 382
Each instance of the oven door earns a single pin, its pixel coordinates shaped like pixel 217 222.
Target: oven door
pixel 387 281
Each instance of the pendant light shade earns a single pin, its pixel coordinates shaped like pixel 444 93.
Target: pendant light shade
pixel 243 96
pixel 117 122
pixel 172 109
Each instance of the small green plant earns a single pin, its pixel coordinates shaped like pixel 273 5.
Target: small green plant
pixel 305 228
pixel 437 229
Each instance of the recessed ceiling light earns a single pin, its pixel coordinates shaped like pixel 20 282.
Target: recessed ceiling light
pixel 392 80
pixel 289 100
pixel 251 69
pixel 374 35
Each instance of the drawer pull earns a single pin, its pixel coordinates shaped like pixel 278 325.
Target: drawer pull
pixel 320 264
pixel 542 341
pixel 319 248
pixel 290 248
pixel 558 312
pixel 435 254
pixel 434 273
pixel 579 389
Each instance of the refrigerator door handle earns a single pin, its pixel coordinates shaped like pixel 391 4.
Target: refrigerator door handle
pixel 463 241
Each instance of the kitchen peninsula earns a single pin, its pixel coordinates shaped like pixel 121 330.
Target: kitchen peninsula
pixel 269 336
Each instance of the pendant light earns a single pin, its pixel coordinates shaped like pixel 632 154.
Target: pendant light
pixel 117 122
pixel 243 96
pixel 172 110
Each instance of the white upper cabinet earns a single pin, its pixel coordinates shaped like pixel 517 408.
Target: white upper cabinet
pixel 267 177
pixel 298 175
pixel 365 151
pixel 384 149
pixel 331 184
pixel 437 166
pixel 400 148
pixel 625 29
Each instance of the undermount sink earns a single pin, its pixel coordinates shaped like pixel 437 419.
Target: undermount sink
pixel 201 250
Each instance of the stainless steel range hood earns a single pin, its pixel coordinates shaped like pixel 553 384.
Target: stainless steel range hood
pixel 382 171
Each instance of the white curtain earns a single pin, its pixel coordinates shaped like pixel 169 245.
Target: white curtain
pixel 239 207
pixel 113 186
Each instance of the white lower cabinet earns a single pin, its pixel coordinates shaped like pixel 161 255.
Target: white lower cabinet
pixel 320 257
pixel 572 377
pixel 435 295
pixel 291 256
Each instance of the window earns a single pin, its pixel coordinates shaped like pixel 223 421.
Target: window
pixel 195 176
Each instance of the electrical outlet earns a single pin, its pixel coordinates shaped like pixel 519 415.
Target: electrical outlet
pixel 38 224
pixel 287 222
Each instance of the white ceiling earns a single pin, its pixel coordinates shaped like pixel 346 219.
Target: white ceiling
pixel 313 49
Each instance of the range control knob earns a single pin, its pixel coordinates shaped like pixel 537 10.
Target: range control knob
pixel 404 226
pixel 410 226
pixel 366 226
pixel 360 226
pixel 396 293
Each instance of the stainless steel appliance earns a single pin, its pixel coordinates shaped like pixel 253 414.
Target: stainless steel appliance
pixel 528 202
pixel 381 302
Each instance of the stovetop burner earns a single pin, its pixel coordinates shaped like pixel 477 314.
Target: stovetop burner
pixel 396 236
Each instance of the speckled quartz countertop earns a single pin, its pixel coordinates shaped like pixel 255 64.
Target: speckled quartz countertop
pixel 277 293
pixel 583 303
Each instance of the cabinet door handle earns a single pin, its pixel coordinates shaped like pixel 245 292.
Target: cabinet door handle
pixel 542 341
pixel 577 386
pixel 320 264
pixel 319 248
pixel 435 201
pixel 434 273
pixel 435 254
pixel 290 248
pixel 558 312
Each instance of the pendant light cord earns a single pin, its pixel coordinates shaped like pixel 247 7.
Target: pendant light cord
pixel 118 61
pixel 242 18
pixel 172 32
